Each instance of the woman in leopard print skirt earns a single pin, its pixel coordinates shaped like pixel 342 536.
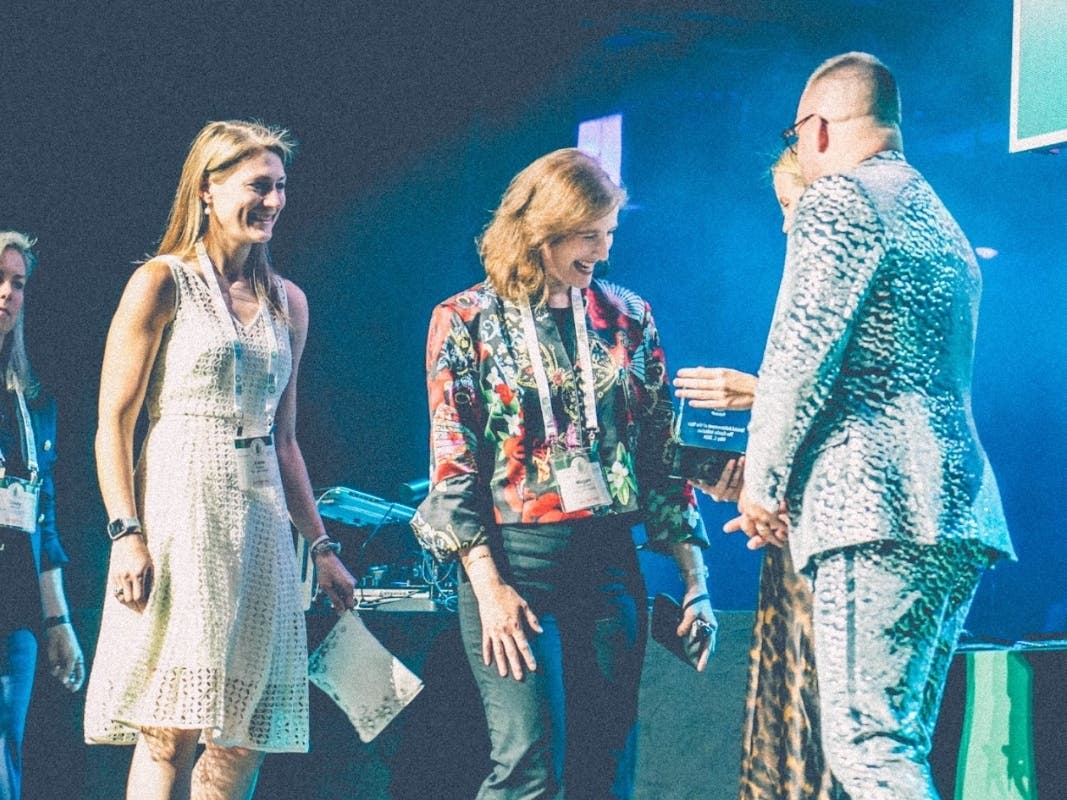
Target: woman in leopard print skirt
pixel 781 755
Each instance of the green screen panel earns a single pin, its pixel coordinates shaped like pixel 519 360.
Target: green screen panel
pixel 1039 74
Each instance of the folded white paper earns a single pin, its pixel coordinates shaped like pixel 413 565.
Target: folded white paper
pixel 368 682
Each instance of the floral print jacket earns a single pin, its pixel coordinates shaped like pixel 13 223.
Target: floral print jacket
pixel 490 462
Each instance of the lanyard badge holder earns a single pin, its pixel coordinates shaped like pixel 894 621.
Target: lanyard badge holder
pixel 257 462
pixel 578 476
pixel 580 480
pixel 18 496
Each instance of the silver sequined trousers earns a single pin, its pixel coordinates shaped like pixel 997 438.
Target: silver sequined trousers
pixel 887 616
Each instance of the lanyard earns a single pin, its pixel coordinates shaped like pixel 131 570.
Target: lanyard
pixel 27 437
pixel 585 366
pixel 238 349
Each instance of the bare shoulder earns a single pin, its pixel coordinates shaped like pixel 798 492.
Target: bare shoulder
pixel 298 308
pixel 297 301
pixel 152 289
pixel 295 295
pixel 156 272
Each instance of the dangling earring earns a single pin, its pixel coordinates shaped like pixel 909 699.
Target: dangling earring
pixel 207 210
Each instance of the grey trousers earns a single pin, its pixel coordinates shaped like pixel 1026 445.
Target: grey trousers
pixel 568 730
pixel 887 616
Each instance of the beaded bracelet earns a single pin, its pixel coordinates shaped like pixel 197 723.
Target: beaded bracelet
pixel 696 572
pixel 476 557
pixel 324 543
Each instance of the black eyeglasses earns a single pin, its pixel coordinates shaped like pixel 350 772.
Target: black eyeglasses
pixel 790 135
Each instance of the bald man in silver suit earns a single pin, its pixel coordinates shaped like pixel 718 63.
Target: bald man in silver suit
pixel 863 456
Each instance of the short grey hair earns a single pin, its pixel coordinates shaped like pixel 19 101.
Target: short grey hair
pixel 884 95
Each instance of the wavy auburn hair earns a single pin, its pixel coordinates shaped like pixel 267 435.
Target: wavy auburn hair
pixel 556 195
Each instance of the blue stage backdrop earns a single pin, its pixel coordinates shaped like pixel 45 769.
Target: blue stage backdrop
pixel 413 120
pixel 701 241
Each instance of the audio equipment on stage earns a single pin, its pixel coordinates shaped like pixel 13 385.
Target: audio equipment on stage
pixel 414 491
pixel 356 508
pixel 379 549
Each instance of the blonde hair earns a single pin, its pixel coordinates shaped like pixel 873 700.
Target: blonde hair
pixel 788 163
pixel 217 149
pixel 17 371
pixel 553 197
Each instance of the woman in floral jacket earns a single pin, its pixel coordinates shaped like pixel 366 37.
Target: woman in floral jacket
pixel 549 414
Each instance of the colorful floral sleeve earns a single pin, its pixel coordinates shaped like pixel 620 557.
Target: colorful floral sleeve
pixel 671 514
pixel 453 515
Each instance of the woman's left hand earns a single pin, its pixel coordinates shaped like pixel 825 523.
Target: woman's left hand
pixel 716 387
pixel 65 659
pixel 698 627
pixel 336 581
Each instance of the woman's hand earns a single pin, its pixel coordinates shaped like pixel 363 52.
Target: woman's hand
pixel 698 627
pixel 505 616
pixel 762 526
pixel 716 387
pixel 130 575
pixel 336 581
pixel 728 487
pixel 65 659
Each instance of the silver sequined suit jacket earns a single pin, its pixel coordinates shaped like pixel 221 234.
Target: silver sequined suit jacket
pixel 862 421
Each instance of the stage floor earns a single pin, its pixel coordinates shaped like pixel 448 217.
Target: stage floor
pixel 437 749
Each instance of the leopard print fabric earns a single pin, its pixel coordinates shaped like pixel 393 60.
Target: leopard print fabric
pixel 781 755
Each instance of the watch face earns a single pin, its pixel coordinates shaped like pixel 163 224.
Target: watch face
pixel 118 527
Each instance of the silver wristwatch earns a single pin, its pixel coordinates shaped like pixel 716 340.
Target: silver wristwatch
pixel 123 526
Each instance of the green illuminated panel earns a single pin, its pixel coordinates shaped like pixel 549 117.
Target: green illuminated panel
pixel 1039 74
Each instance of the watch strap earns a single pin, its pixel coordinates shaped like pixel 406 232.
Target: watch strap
pixel 123 526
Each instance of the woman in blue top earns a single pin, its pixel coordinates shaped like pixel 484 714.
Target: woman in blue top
pixel 31 556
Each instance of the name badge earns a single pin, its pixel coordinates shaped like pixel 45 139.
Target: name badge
pixel 581 482
pixel 257 463
pixel 18 504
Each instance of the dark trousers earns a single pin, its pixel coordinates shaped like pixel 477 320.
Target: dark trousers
pixel 18 657
pixel 567 730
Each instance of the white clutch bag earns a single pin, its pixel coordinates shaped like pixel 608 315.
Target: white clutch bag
pixel 366 681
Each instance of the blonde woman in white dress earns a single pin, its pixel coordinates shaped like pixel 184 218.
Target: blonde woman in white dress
pixel 202 638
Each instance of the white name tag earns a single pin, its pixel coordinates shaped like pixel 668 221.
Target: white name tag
pixel 257 463
pixel 580 480
pixel 18 504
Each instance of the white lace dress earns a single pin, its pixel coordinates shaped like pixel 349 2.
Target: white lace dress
pixel 221 645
